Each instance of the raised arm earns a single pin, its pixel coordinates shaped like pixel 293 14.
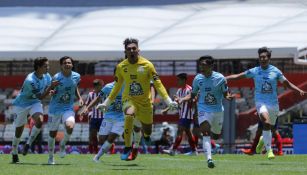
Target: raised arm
pixel 236 76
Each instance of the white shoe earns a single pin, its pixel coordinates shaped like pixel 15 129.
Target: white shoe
pixel 96 159
pixel 170 152
pixel 62 152
pixel 51 160
pixel 191 153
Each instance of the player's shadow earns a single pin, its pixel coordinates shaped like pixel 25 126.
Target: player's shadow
pixel 131 166
pixel 265 164
pixel 44 164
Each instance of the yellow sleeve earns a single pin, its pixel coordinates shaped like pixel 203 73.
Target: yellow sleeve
pixel 118 84
pixel 157 82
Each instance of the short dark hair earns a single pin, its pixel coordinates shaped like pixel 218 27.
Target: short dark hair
pixel 128 41
pixel 65 58
pixel 182 76
pixel 97 82
pixel 208 59
pixel 39 62
pixel 265 49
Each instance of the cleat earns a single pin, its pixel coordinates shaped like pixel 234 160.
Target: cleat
pixel 248 151
pixel 214 150
pixel 96 158
pixel 25 150
pixel 260 145
pixel 15 158
pixel 191 153
pixel 170 152
pixel 51 160
pixel 270 154
pixel 134 154
pixel 62 152
pixel 147 140
pixel 126 153
pixel 211 163
pixel 279 153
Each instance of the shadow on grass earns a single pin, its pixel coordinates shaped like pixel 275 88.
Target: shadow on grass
pixel 44 164
pixel 265 164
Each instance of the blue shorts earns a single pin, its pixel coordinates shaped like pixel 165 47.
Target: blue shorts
pixel 185 122
pixel 95 123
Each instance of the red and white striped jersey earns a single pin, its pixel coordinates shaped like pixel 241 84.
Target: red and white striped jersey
pixel 93 113
pixel 185 109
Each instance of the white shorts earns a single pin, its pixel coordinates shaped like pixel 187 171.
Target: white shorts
pixel 271 110
pixel 215 120
pixel 55 120
pixel 20 113
pixel 111 126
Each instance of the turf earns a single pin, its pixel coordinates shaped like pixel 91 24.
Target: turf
pixel 155 164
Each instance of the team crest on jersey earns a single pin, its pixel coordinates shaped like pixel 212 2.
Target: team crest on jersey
pixel 266 88
pixel 135 89
pixel 133 77
pixel 210 99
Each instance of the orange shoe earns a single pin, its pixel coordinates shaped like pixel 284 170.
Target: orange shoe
pixel 279 153
pixel 133 154
pixel 248 151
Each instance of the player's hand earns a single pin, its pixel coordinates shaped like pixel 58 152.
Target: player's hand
pixel 230 96
pixel 173 106
pixel 51 92
pixel 83 111
pixel 102 107
pixel 81 102
pixel 54 83
pixel 164 111
pixel 303 93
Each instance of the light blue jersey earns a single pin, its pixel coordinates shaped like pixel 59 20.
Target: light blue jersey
pixel 64 97
pixel 265 83
pixel 31 88
pixel 114 111
pixel 211 91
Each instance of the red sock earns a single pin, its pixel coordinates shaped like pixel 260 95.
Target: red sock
pixel 255 142
pixel 278 142
pixel 213 144
pixel 177 142
pixel 195 140
pixel 192 143
pixel 112 148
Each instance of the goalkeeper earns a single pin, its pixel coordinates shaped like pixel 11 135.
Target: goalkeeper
pixel 135 74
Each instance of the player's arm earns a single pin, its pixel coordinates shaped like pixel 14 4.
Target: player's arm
pixel 77 93
pixel 290 85
pixel 153 93
pixel 46 92
pixel 195 90
pixel 236 76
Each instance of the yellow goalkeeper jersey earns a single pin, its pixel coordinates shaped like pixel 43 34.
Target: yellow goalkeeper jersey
pixel 136 79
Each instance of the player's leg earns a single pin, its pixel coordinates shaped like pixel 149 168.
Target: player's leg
pixel 69 123
pixel 278 140
pixel 53 125
pixel 36 112
pixel 129 111
pixel 205 119
pixel 145 115
pixel 93 141
pixel 137 135
pixel 20 119
pixel 266 133
pixel 187 130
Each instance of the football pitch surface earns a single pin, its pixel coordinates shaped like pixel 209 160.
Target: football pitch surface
pixel 226 164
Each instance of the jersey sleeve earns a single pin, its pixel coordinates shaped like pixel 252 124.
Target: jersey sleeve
pixel 119 80
pixel 28 88
pixel 280 76
pixel 195 86
pixel 250 73
pixel 157 82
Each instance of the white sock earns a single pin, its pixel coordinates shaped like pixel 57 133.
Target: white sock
pixel 15 144
pixel 137 138
pixel 65 139
pixel 104 148
pixel 207 147
pixel 51 143
pixel 267 139
pixel 34 132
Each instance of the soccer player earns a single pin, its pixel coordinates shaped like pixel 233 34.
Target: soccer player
pixel 212 88
pixel 61 105
pixel 28 102
pixel 186 112
pixel 112 125
pixel 265 79
pixel 135 73
pixel 95 116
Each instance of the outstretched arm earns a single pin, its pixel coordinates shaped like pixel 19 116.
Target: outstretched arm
pixel 236 76
pixel 289 85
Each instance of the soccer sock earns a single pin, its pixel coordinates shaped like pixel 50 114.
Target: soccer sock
pixel 15 144
pixel 51 143
pixel 207 147
pixel 95 145
pixel 34 132
pixel 177 142
pixel 196 140
pixel 255 142
pixel 128 126
pixel 213 145
pixel 65 139
pixel 106 146
pixel 137 138
pixel 278 142
pixel 112 148
pixel 192 143
pixel 90 148
pixel 267 139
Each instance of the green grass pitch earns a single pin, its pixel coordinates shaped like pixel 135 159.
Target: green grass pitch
pixel 226 164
